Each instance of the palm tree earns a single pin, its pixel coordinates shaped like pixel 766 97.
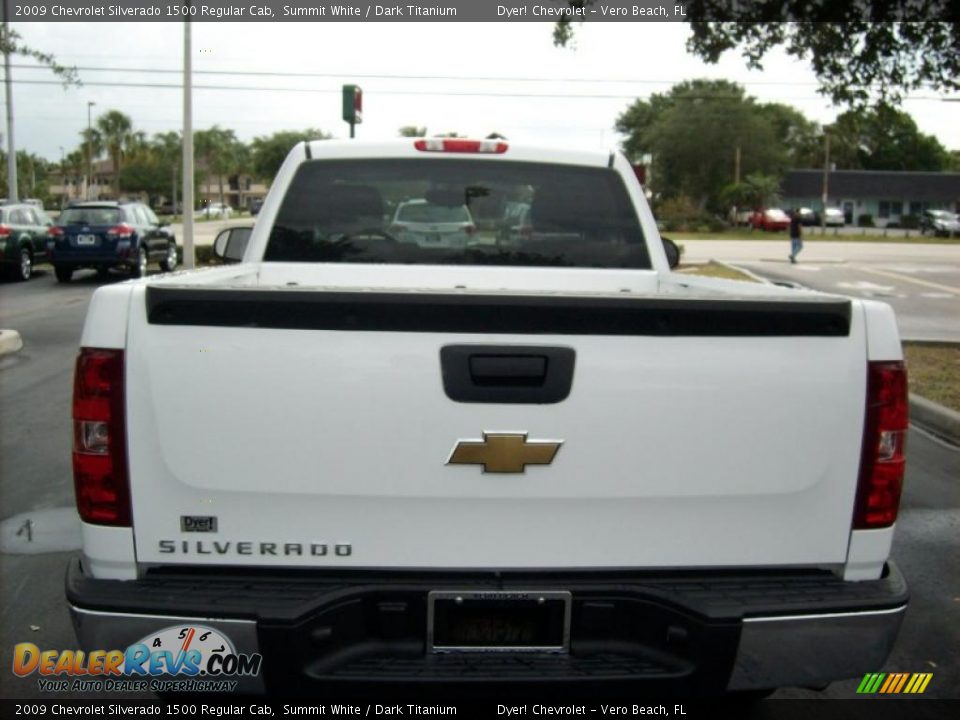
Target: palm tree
pixel 220 151
pixel 116 129
pixel 92 148
pixel 72 167
pixel 169 148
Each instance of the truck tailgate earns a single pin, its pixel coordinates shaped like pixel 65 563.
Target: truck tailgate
pixel 695 432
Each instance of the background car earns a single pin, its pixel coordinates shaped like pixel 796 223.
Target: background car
pixel 105 235
pixel 808 217
pixel 833 217
pixel 432 225
pixel 941 223
pixel 216 210
pixel 23 239
pixel 772 219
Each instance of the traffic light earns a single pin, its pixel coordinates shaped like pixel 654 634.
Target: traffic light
pixel 352 104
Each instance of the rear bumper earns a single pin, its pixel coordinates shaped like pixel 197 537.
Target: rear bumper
pixel 686 635
pixel 94 256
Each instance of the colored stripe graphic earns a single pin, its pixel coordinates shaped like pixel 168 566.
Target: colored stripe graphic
pixel 870 683
pixel 894 683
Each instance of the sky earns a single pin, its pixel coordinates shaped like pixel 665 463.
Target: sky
pixel 470 78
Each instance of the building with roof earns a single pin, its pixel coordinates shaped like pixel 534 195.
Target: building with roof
pixel 238 190
pixel 889 197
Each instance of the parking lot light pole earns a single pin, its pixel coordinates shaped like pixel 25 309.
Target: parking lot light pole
pixel 189 261
pixel 826 178
pixel 11 146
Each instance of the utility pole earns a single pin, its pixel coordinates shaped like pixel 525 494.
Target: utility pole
pixel 90 104
pixel 11 146
pixel 189 261
pixel 826 178
pixel 736 166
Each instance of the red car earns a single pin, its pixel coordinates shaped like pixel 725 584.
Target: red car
pixel 772 219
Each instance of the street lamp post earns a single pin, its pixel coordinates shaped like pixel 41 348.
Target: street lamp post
pixel 90 104
pixel 826 178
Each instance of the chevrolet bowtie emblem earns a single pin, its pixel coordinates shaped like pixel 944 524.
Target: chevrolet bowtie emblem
pixel 504 452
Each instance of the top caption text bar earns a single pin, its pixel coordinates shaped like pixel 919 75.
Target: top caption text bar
pixel 474 11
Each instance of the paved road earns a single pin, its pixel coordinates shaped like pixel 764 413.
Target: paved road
pixel 35 482
pixel 920 281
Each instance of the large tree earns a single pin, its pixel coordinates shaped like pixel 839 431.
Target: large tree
pixel 31 175
pixel 693 132
pixel 168 148
pixel 222 153
pixel 862 52
pixel 116 131
pixel 269 151
pixel 884 138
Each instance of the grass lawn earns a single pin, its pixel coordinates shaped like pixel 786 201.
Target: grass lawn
pixel 934 372
pixel 715 270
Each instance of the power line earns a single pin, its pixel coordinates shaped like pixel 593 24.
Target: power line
pixel 434 93
pixel 266 73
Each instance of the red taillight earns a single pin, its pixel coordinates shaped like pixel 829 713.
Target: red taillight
pixel 470 229
pixel 458 145
pixel 4 231
pixel 526 231
pixel 121 231
pixel 883 458
pixel 55 232
pixel 99 438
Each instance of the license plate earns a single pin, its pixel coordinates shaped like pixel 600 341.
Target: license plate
pixel 86 239
pixel 498 621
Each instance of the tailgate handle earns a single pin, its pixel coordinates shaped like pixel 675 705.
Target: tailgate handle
pixel 512 370
pixel 507 373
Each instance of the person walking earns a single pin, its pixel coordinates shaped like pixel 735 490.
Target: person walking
pixel 796 241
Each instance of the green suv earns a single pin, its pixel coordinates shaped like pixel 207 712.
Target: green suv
pixel 23 239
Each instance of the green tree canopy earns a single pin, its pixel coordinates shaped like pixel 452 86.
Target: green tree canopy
pixel 269 151
pixel 412 131
pixel 11 43
pixel 884 138
pixel 862 52
pixel 693 131
pixel 116 131
pixel 221 152
pixel 31 176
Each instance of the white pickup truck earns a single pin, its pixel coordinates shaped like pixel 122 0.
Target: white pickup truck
pixel 518 451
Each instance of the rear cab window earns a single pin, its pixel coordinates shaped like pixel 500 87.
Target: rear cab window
pixel 91 216
pixel 462 211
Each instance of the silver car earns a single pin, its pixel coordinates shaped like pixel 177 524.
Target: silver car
pixel 429 225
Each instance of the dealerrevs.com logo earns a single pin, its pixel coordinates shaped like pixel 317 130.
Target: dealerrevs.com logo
pixel 191 658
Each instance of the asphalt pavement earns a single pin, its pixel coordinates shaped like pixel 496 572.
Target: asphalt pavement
pixel 921 281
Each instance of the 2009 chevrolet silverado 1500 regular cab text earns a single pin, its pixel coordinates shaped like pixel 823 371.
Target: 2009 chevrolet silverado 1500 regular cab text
pixel 503 442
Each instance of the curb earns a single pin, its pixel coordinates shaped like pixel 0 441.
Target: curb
pixel 10 341
pixel 936 418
